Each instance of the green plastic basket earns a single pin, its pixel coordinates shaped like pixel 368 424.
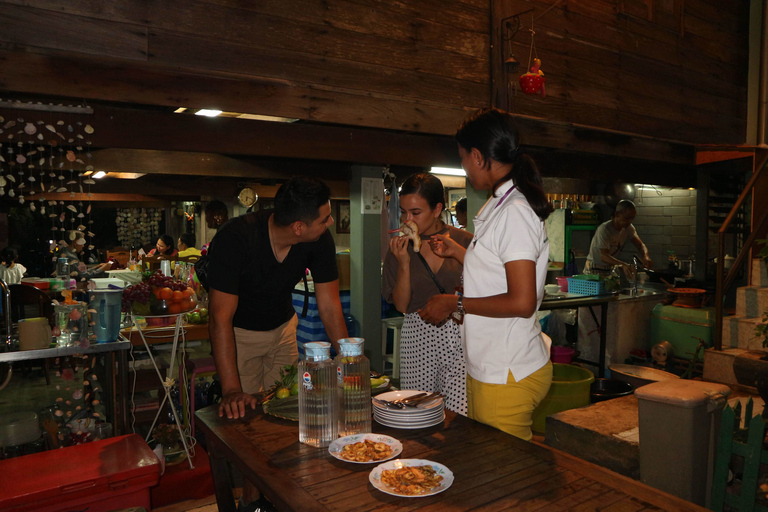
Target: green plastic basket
pixel 585 284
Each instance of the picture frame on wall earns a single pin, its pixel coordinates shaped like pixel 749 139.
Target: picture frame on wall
pixel 454 195
pixel 342 217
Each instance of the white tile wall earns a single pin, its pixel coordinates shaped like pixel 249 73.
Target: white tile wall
pixel 665 222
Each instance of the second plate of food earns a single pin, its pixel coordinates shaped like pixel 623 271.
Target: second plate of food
pixel 411 478
pixel 365 448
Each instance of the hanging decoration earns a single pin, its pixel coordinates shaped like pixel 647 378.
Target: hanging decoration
pixel 532 82
pixel 44 153
pixel 137 226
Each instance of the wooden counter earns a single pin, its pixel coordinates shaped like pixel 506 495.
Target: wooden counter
pixel 493 470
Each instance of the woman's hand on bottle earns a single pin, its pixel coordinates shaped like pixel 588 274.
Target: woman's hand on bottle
pixel 445 246
pixel 439 308
pixel 398 245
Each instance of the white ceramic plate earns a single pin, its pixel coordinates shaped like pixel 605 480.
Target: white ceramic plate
pixel 375 476
pixel 410 418
pixel 394 395
pixel 338 445
pixel 410 426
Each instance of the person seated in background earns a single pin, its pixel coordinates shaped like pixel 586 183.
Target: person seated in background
pixel 187 245
pixel 461 212
pixel 74 252
pixel 164 247
pixel 10 271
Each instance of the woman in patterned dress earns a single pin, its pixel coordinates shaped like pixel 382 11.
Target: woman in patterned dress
pixel 431 357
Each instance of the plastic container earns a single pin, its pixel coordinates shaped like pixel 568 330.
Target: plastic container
pixel 678 423
pixel 353 372
pixel 562 355
pixel 318 398
pixel 569 390
pixel 585 284
pixel 72 323
pixel 103 283
pixel 18 428
pixel 113 474
pixel 563 282
pixel 34 333
pixel 105 322
pixel 679 325
pixel 607 389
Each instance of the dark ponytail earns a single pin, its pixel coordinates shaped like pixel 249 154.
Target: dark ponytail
pixel 494 134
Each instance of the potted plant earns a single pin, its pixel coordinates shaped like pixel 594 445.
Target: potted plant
pixel 168 436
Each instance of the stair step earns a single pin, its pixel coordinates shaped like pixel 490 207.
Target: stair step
pixel 739 332
pixel 751 301
pixel 759 272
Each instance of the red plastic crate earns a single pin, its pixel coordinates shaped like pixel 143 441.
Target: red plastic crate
pixel 100 476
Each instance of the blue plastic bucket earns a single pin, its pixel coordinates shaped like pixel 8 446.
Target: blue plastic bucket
pixel 105 322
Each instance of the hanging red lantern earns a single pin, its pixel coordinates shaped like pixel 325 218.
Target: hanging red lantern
pixel 533 81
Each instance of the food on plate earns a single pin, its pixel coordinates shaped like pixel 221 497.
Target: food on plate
pixel 411 230
pixel 366 451
pixel 411 480
pixel 376 382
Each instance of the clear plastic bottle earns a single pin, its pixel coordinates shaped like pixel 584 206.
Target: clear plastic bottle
pixel 318 402
pixel 353 372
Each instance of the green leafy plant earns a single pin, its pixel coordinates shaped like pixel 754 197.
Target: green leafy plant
pixel 761 330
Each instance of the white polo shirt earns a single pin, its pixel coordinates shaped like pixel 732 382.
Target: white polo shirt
pixel 506 229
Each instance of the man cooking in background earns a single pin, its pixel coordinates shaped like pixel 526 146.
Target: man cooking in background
pixel 609 240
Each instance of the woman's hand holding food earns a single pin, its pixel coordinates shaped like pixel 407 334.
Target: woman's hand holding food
pixel 399 247
pixel 446 247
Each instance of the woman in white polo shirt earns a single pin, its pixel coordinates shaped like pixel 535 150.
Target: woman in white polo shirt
pixel 505 267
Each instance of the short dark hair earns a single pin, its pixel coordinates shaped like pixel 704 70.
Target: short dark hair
pixel 461 205
pixel 299 199
pixel 188 239
pixel 9 255
pixel 168 240
pixel 216 206
pixel 427 186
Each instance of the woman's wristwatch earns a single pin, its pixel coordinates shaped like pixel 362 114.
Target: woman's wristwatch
pixel 460 306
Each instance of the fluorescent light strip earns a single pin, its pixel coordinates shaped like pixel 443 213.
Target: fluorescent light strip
pixel 207 112
pixel 99 174
pixel 448 171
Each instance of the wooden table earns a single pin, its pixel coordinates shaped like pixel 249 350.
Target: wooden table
pixel 492 470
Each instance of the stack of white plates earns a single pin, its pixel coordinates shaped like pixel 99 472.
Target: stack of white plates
pixel 426 414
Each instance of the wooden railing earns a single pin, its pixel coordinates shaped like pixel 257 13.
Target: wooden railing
pixel 724 282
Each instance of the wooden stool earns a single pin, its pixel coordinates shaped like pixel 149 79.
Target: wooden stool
pixel 394 325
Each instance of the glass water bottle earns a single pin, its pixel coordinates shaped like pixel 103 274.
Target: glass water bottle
pixel 353 372
pixel 318 415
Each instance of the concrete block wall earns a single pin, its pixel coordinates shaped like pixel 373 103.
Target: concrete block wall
pixel 666 220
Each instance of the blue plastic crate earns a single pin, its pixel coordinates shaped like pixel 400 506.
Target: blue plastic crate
pixel 582 286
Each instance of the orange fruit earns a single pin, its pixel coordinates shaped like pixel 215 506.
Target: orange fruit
pixel 188 292
pixel 187 304
pixel 177 295
pixel 175 308
pixel 165 294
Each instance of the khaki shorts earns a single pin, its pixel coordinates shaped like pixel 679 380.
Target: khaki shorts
pixel 509 407
pixel 261 354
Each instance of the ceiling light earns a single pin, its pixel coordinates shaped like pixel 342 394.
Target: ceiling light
pixel 449 171
pixel 180 110
pixel 207 112
pixel 99 174
pixel 258 117
pixel 127 175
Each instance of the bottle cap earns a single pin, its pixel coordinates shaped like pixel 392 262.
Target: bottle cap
pixel 317 349
pixel 351 346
